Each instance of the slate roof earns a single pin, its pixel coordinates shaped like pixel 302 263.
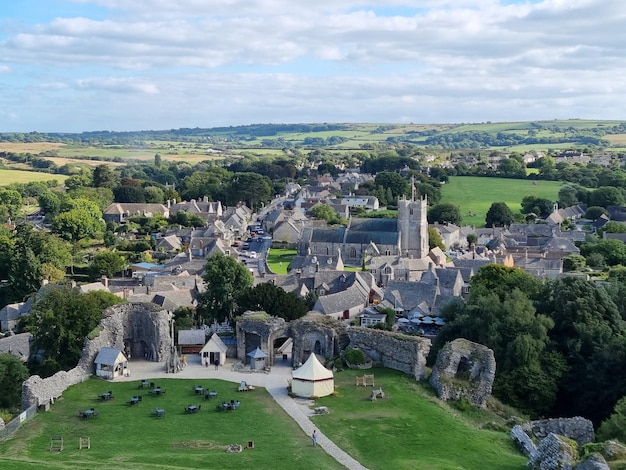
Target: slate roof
pixel 186 337
pixel 18 345
pixel 327 234
pixel 107 356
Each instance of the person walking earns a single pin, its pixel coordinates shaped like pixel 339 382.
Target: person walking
pixel 314 438
pixel 216 363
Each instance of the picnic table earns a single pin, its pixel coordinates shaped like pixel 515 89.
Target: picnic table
pixel 158 412
pixel 209 394
pixel 134 400
pixel 106 396
pixel 199 389
pixel 157 391
pixel 89 413
pixel 192 408
pixel 144 384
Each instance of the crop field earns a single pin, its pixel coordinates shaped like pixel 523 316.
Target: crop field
pixel 474 195
pixel 20 176
pixel 34 148
pixel 409 429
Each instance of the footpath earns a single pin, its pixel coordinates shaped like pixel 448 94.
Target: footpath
pixel 275 382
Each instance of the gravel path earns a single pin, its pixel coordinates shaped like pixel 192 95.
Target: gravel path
pixel 275 382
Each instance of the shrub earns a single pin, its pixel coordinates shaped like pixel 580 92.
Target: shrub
pixel 356 357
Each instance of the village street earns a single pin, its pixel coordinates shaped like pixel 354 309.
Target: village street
pixel 275 382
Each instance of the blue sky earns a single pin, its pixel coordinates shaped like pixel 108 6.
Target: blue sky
pixel 84 65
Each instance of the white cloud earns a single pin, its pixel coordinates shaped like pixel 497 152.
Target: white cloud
pixel 241 60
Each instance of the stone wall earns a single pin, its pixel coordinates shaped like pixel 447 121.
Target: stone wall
pixel 578 429
pixel 123 326
pixel 261 327
pixel 394 351
pixel 319 334
pixel 523 441
pixel 464 370
pixel 553 453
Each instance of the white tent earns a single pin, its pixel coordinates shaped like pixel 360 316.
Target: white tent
pixel 312 379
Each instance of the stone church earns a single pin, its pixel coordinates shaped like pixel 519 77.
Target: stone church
pixel 406 236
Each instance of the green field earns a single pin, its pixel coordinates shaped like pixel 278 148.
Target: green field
pixel 20 176
pixel 474 195
pixel 128 437
pixel 409 429
pixel 278 259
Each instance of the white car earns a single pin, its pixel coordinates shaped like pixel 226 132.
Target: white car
pixel 252 254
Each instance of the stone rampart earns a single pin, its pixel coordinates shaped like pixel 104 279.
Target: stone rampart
pixel 464 370
pixel 392 350
pixel 144 327
pixel 578 429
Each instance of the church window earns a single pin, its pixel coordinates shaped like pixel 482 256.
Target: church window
pixel 352 252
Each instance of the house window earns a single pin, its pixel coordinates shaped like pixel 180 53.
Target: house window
pixel 322 292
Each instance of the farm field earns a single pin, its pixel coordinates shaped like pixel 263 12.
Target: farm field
pixel 474 195
pixel 20 176
pixel 409 429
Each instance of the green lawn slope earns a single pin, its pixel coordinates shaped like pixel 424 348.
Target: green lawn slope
pixel 474 195
pixel 21 176
pixel 409 429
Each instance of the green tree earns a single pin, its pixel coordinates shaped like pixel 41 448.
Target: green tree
pixel 512 168
pixel 157 160
pixel 105 177
pixel 273 300
pixel 472 239
pixel 499 215
pixel 434 239
pixel 606 196
pixel 614 427
pixel 574 263
pixel 12 201
pixel 62 318
pixel 77 224
pixel 250 188
pixel 444 212
pixel 537 205
pixel 106 264
pixel 225 280
pixel 327 213
pixel 12 374
pixel 398 184
pixel 568 195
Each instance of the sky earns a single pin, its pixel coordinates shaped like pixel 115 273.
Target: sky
pixel 122 65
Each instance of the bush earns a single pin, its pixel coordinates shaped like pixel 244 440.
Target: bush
pixel 356 357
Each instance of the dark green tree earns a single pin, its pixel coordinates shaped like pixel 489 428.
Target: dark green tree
pixel 444 212
pixel 398 184
pixel 225 280
pixel 499 215
pixel 105 177
pixel 12 374
pixel 106 264
pixel 62 318
pixel 273 300
pixel 606 196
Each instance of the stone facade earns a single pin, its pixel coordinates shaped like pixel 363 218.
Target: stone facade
pixel 316 333
pixel 394 351
pixel 258 329
pixel 578 429
pixel 137 329
pixel 464 370
pixel 523 441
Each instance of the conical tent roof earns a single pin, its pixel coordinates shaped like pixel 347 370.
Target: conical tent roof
pixel 257 354
pixel 312 370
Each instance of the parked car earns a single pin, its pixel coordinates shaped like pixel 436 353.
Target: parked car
pixel 245 246
pixel 252 254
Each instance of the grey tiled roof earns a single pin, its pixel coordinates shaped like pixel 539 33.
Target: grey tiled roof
pixel 107 356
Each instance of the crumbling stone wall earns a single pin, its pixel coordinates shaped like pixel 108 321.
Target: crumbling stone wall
pixel 125 322
pixel 316 333
pixel 553 452
pixel 394 351
pixel 464 370
pixel 258 329
pixel 578 429
pixel 523 441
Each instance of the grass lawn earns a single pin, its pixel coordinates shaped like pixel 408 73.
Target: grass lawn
pixel 410 428
pixel 128 437
pixel 278 259
pixel 19 176
pixel 474 195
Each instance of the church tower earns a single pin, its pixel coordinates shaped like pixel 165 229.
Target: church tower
pixel 413 226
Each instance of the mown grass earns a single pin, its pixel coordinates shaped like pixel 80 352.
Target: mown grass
pixel 410 428
pixel 278 259
pixel 128 437
pixel 474 195
pixel 20 176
